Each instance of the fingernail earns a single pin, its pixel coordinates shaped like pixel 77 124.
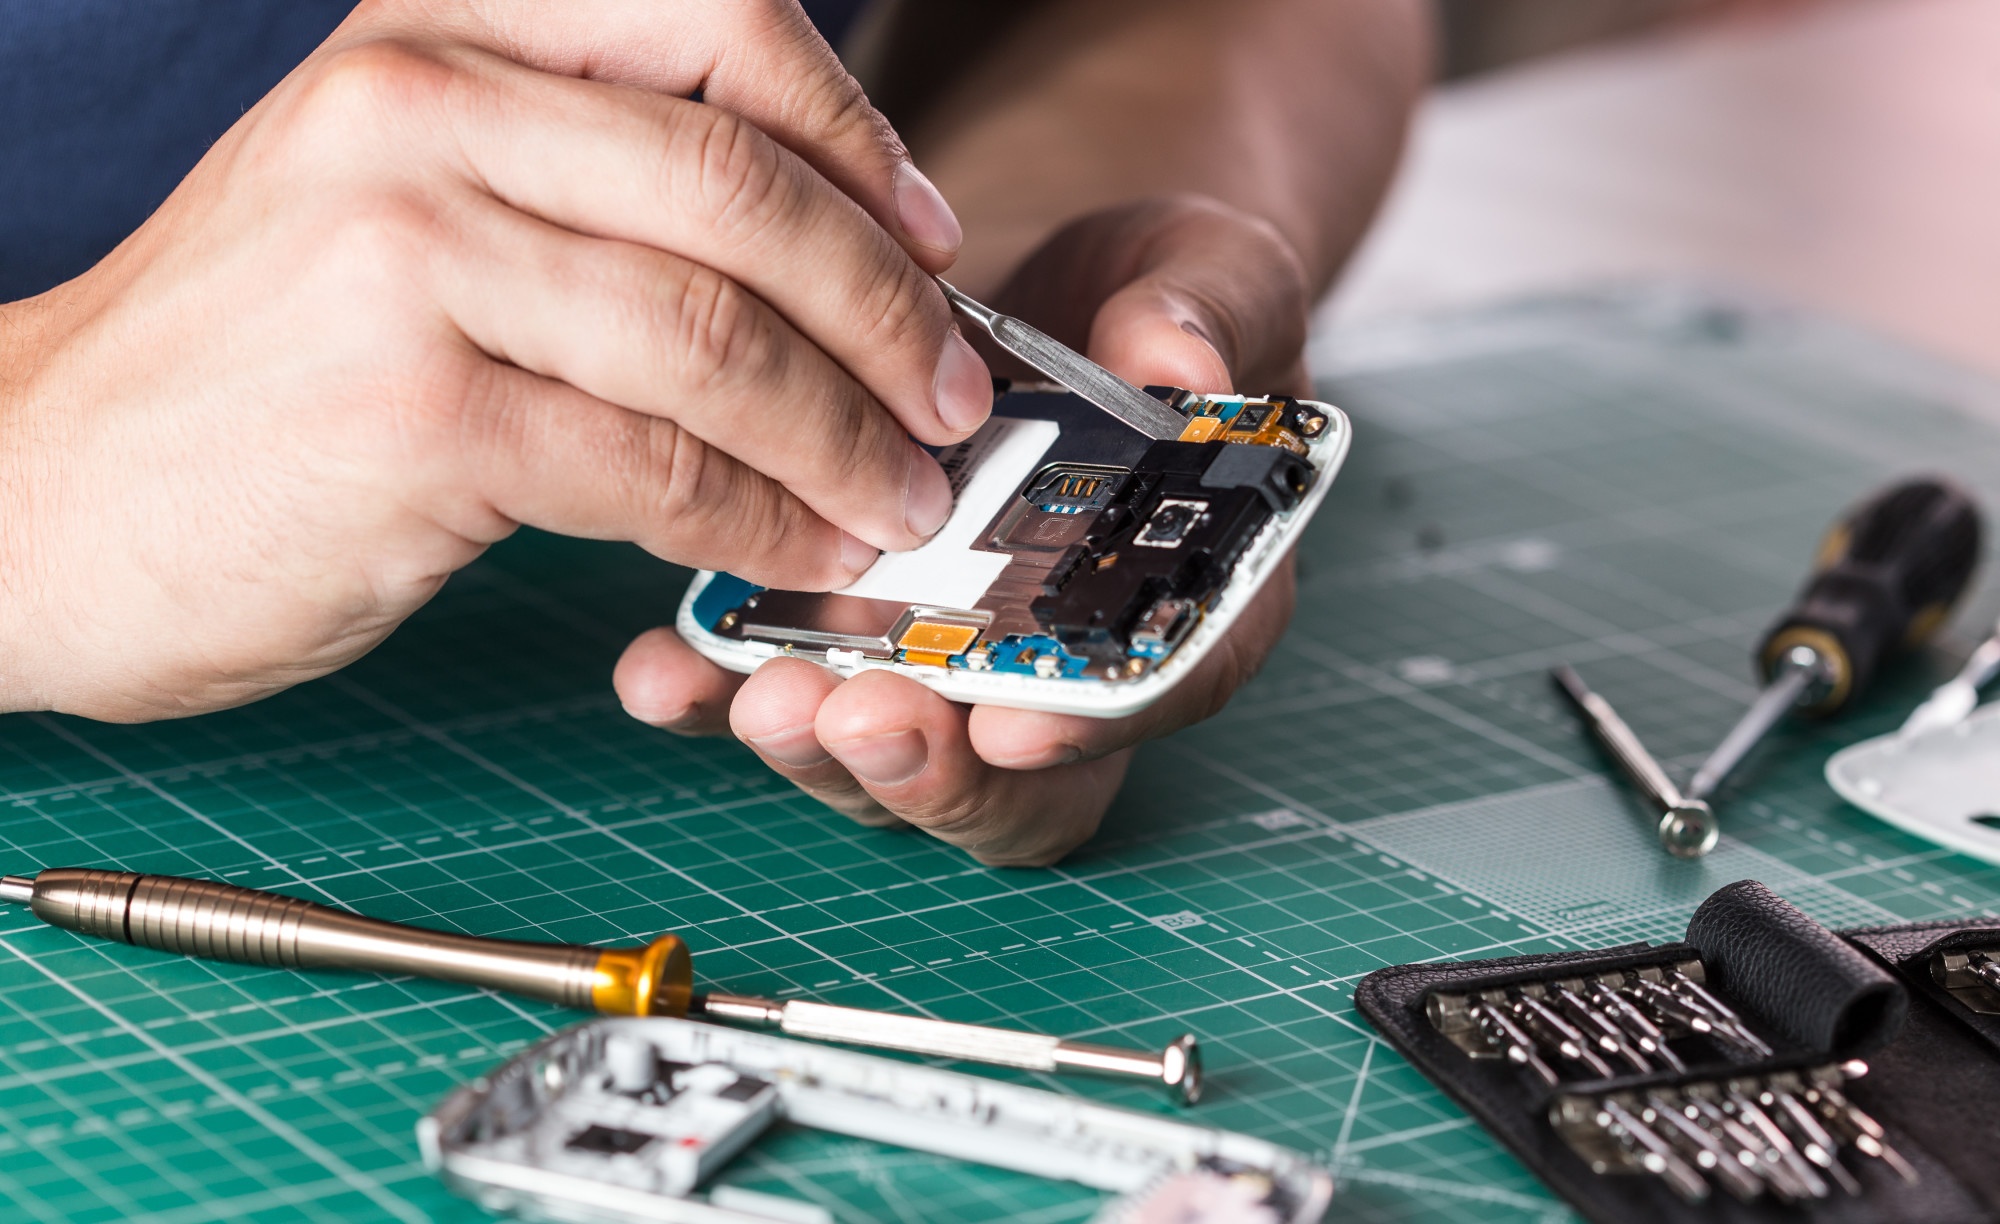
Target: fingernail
pixel 856 555
pixel 927 496
pixel 683 722
pixel 1061 754
pixel 797 747
pixel 964 386
pixel 885 760
pixel 1196 330
pixel 675 720
pixel 922 212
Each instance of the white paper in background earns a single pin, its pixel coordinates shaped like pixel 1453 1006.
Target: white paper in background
pixel 984 471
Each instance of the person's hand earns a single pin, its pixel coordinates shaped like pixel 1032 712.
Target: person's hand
pixel 1179 292
pixel 474 265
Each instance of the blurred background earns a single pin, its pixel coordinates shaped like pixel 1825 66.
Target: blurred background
pixel 1842 155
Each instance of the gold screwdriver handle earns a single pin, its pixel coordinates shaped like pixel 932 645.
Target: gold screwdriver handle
pixel 228 923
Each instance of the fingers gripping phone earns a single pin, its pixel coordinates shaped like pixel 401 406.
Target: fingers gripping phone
pixel 1085 569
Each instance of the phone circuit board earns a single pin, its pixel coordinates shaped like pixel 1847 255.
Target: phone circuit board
pixel 1085 566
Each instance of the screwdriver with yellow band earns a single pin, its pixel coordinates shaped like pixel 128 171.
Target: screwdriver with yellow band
pixel 228 923
pixel 1886 577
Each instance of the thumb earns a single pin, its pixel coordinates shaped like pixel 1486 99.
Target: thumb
pixel 1148 333
pixel 1218 302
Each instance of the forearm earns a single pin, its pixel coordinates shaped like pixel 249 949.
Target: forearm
pixel 1292 110
pixel 23 337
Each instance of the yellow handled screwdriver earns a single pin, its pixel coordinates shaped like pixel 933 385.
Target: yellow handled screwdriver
pixel 1886 577
pixel 228 923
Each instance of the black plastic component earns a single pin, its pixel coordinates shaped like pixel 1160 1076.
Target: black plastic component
pixel 1110 521
pixel 1180 458
pixel 1888 575
pixel 1097 604
pixel 743 1089
pixel 662 1089
pixel 1144 548
pixel 611 1140
pixel 1065 567
pixel 1278 475
pixel 1301 420
pixel 1250 418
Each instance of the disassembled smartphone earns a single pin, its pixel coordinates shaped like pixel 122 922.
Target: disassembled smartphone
pixel 1086 567
pixel 629 1119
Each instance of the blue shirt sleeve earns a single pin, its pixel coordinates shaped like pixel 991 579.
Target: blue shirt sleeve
pixel 105 105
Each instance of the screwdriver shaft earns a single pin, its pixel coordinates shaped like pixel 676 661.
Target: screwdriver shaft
pixel 1687 827
pixel 1623 743
pixel 1794 678
pixel 1177 1068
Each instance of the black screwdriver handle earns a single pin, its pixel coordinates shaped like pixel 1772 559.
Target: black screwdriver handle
pixel 1886 577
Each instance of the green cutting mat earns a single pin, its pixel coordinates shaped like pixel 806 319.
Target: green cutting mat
pixel 1630 484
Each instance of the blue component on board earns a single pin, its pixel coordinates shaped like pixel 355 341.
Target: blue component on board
pixel 1017 654
pixel 723 593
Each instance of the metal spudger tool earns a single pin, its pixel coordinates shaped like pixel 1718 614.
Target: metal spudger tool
pixel 224 922
pixel 1072 369
pixel 1956 697
pixel 1688 828
pixel 1885 578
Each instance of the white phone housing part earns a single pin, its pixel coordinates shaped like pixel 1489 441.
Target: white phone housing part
pixel 1942 784
pixel 1086 568
pixel 625 1120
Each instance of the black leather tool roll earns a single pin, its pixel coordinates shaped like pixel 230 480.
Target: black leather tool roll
pixel 1819 998
pixel 1811 987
